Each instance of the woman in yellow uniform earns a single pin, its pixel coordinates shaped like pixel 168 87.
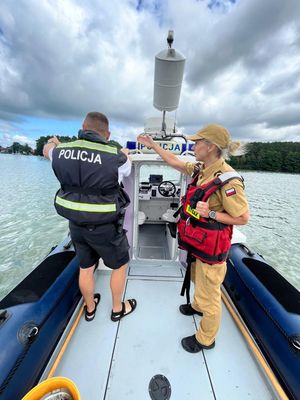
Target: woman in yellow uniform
pixel 227 206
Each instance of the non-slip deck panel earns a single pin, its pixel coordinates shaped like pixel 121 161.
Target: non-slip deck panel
pixel 149 344
pixel 110 361
pixel 152 252
pixel 232 367
pixel 88 356
pixel 152 243
pixel 148 268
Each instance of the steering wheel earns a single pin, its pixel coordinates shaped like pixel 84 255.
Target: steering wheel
pixel 166 189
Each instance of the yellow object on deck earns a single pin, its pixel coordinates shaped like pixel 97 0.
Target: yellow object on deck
pixel 54 386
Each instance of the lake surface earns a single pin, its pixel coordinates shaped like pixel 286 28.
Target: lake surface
pixel 29 225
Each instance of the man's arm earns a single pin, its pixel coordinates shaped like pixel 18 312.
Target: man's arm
pixel 125 151
pixel 124 169
pixel 166 155
pixel 52 142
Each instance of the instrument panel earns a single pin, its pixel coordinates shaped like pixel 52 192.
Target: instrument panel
pixel 149 191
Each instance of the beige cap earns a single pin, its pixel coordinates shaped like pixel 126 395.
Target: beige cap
pixel 214 133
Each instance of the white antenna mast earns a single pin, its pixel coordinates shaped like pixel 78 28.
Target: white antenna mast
pixel 169 67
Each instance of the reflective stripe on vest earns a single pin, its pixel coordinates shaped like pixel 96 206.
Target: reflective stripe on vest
pixel 85 144
pixel 72 205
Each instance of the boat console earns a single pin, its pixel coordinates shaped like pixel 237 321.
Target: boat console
pixel 155 190
pixel 156 187
pixel 158 199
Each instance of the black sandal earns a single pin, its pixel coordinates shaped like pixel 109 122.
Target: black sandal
pixel 116 316
pixel 90 315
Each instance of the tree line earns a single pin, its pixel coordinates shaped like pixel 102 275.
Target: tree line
pixel 17 148
pixel 40 142
pixel 275 156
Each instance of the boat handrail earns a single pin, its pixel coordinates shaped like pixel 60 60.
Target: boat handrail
pixel 135 151
pixel 163 136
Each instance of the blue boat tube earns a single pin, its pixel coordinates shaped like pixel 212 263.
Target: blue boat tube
pixel 33 317
pixel 270 306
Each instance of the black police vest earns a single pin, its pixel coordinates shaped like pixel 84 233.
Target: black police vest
pixel 87 170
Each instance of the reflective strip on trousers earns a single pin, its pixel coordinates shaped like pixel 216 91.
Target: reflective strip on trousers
pixel 72 205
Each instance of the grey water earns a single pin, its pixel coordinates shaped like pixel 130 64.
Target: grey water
pixel 30 227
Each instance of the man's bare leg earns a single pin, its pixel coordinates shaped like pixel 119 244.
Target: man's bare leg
pixel 87 286
pixel 117 285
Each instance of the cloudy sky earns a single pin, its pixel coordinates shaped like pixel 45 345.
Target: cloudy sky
pixel 60 59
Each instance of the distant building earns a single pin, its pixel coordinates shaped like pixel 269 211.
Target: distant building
pixel 3 149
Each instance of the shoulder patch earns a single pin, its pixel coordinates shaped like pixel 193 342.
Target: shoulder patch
pixel 230 192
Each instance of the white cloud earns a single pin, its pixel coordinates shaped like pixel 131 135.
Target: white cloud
pixel 23 140
pixel 7 140
pixel 8 135
pixel 62 59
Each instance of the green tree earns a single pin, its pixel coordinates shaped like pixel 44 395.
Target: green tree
pixel 41 141
pixel 272 161
pixel 40 144
pixel 275 156
pixel 292 162
pixel 16 147
pixel 26 149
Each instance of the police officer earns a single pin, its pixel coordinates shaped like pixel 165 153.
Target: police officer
pixel 224 208
pixel 89 171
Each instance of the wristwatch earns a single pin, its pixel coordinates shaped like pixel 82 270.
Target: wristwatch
pixel 212 214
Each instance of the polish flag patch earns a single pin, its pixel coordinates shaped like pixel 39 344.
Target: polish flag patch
pixel 230 192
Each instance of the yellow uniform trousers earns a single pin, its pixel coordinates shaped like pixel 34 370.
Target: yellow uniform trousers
pixel 207 298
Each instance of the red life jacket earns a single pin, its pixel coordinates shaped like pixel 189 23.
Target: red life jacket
pixel 204 238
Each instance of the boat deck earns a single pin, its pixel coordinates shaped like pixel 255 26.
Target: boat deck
pixel 109 360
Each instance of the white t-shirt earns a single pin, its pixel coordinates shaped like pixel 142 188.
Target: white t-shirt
pixel 123 170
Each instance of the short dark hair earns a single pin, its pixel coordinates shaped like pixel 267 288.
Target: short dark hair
pixel 97 121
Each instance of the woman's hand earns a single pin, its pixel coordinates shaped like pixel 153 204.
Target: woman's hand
pixel 166 155
pixel 222 216
pixel 202 208
pixel 146 140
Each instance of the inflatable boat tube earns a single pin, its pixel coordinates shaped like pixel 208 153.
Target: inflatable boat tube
pixel 33 317
pixel 270 306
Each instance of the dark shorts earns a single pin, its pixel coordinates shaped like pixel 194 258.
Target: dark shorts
pixel 100 241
